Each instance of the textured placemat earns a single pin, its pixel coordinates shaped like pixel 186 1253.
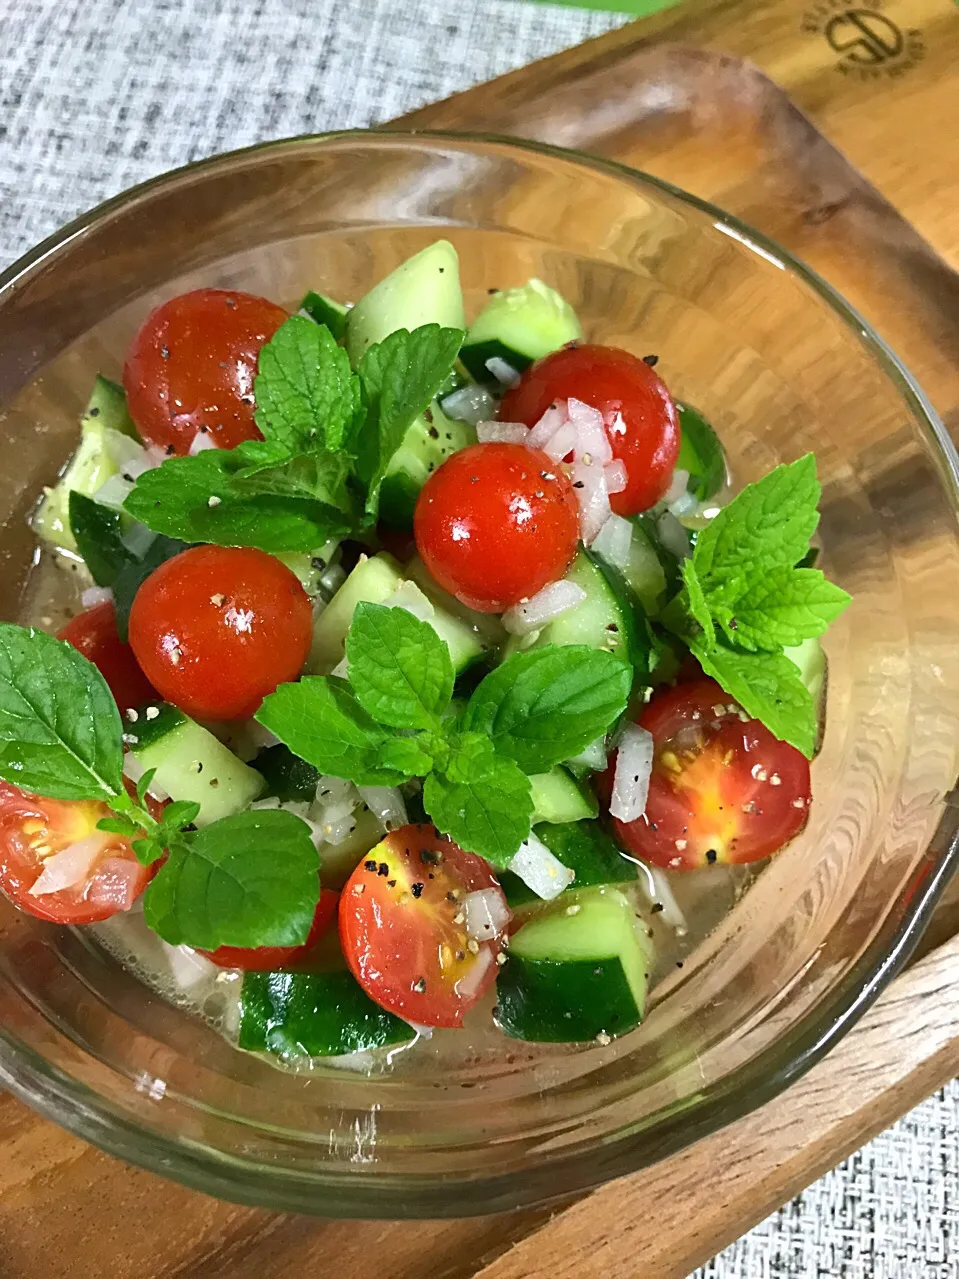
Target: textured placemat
pixel 98 94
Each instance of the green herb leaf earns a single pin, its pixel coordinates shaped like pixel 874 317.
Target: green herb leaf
pixel 768 687
pixel 306 394
pixel 319 477
pixel 143 785
pixel 400 669
pixel 489 814
pixel 179 813
pixel 119 826
pixel 176 497
pixel 148 850
pixel 787 607
pixel 135 572
pixel 469 755
pixel 59 725
pixel 546 705
pixel 766 527
pixel 400 377
pixel 321 721
pixel 696 603
pixel 96 531
pixel 248 880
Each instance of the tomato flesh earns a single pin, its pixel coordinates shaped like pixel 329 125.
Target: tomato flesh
pixel 495 524
pixel 641 419
pixel 722 789
pixel 216 628
pixel 33 829
pixel 192 365
pixel 94 634
pixel 402 927
pixel 268 959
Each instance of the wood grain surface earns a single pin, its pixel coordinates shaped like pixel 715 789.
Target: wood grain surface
pixel 691 95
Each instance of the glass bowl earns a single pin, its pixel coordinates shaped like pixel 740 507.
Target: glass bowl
pixel 781 365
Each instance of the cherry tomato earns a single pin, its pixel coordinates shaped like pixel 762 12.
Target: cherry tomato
pixel 268 959
pixel 33 829
pixel 94 634
pixel 495 524
pixel 216 628
pixel 192 366
pixel 402 928
pixel 641 418
pixel 723 789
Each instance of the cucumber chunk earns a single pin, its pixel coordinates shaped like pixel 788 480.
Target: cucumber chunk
pixel 425 289
pixel 309 566
pixel 287 777
pixel 427 444
pixel 574 976
pixel 326 310
pixel 810 660
pixel 558 798
pixel 338 861
pixel 700 453
pixel 586 849
pixel 107 406
pixel 314 1015
pixel 519 326
pixel 191 763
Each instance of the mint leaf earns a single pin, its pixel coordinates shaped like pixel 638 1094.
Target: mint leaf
pixel 248 880
pixel 59 725
pixel 181 812
pixel 96 531
pixel 469 755
pixel 306 394
pixel 696 603
pixel 321 721
pixel 320 476
pixel 766 526
pixel 175 499
pixel 400 669
pixel 409 756
pixel 787 607
pixel 546 705
pixel 768 687
pixel 400 377
pixel 489 814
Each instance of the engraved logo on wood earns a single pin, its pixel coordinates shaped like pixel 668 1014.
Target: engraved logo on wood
pixel 867 42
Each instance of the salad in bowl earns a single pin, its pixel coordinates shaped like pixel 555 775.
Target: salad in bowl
pixel 434 680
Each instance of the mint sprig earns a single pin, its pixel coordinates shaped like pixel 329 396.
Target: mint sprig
pixel 329 435
pixel 747 595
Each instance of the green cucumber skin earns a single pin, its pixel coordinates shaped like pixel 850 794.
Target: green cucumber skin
pixel 326 310
pixel 700 453
pixel 585 848
pixel 474 357
pixel 519 325
pixel 564 1001
pixel 108 406
pixel 288 778
pixel 426 446
pixel 558 797
pixel 146 732
pixel 314 1015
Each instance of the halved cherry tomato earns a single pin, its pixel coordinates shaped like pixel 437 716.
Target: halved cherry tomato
pixel 94 634
pixel 33 829
pixel 641 418
pixel 402 927
pixel 216 628
pixel 495 524
pixel 192 364
pixel 723 789
pixel 269 959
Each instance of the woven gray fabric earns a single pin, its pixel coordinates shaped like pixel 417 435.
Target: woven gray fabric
pixel 98 94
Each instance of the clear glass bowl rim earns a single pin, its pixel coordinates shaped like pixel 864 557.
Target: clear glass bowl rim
pixel 81 1111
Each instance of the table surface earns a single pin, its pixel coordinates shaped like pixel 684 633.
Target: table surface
pixel 95 99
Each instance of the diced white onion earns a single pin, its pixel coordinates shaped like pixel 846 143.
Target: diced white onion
pixel 555 416
pixel 634 765
pixel 591 431
pixel 133 769
pixel 594 756
pixel 187 968
pixel 552 601
pixel 342 668
pixel 504 373
pixel 138 539
pixel 333 810
pixel 95 595
pixel 613 541
pixel 561 443
pixel 486 913
pixel 114 492
pixel 422 1032
pixel 677 486
pixel 502 433
pixel 411 599
pixel 386 804
pixel 616 477
pixel 201 441
pixel 589 484
pixel 468 985
pixel 469 404
pixel 655 884
pixel 266 805
pixel 71 866
pixel 684 505
pixel 124 451
pixel 115 884
pixel 673 536
pixel 540 870
pixel 156 455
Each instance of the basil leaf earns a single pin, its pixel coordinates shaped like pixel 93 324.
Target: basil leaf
pixel 400 669
pixel 546 705
pixel 247 880
pixel 768 687
pixel 321 721
pixel 400 377
pixel 135 572
pixel 96 531
pixel 306 394
pixel 787 607
pixel 59 725
pixel 490 814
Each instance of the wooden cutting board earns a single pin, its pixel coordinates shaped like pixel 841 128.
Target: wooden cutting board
pixel 865 144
